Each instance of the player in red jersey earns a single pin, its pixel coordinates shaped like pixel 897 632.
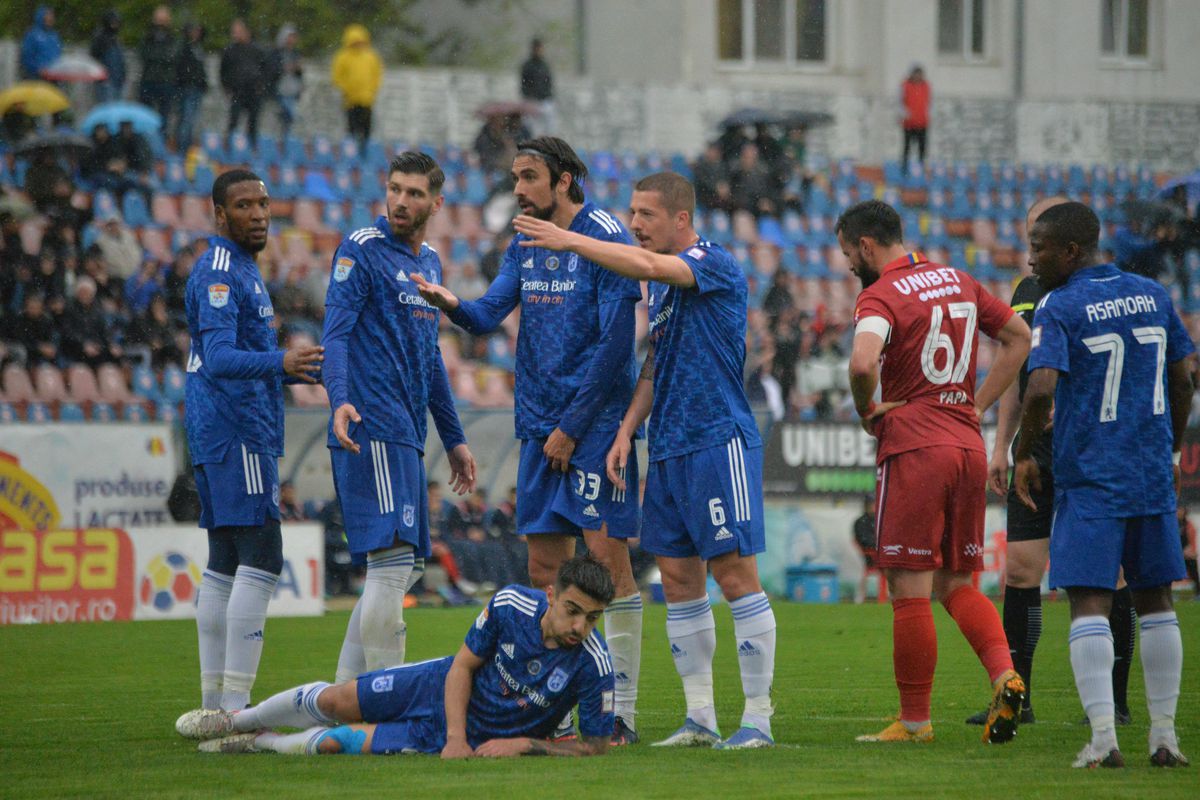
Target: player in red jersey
pixel 921 320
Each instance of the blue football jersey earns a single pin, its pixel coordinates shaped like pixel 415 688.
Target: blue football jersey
pixel 392 353
pixel 1110 335
pixel 524 688
pixel 560 296
pixel 225 292
pixel 699 339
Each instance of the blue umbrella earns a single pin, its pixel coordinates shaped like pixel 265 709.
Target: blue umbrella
pixel 1192 182
pixel 145 120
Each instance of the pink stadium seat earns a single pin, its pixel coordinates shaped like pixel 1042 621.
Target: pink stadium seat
pixel 495 392
pixel 470 222
pixel 441 225
pixel 465 390
pixel 154 241
pixel 745 229
pixel 113 387
pixel 306 215
pixel 49 384
pixel 194 213
pixel 82 382
pixel 165 210
pixel 17 386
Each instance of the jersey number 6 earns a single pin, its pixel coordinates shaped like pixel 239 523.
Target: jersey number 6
pixel 952 371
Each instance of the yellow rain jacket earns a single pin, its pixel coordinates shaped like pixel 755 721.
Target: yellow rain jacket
pixel 357 70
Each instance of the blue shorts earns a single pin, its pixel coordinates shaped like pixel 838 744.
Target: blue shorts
pixel 383 495
pixel 707 503
pixel 580 500
pixel 408 705
pixel 1091 552
pixel 240 489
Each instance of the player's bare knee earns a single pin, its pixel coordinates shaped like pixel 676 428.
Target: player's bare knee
pixel 340 702
pixel 1153 601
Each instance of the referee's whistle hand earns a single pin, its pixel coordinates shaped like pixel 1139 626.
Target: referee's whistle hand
pixel 437 296
pixel 302 362
pixel 345 414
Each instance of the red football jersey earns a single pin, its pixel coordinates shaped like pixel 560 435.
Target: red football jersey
pixel 929 317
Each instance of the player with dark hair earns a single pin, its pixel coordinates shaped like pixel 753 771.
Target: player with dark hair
pixel 703 505
pixel 921 319
pixel 527 660
pixel 384 372
pixel 1113 358
pixel 233 413
pixel 1028 547
pixel 575 375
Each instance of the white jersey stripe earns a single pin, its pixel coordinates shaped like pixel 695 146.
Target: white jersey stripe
pixel 603 221
pixel 246 470
pixel 742 485
pixel 609 217
pixel 258 481
pixel 603 666
pixel 518 607
pixel 378 483
pixel 516 599
pixel 387 477
pixel 733 481
pixel 883 487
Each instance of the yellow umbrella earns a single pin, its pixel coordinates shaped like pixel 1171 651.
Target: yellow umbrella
pixel 34 97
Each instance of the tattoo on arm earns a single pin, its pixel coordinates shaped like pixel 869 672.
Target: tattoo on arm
pixel 647 373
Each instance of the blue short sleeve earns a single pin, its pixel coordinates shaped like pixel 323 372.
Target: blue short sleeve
pixel 1050 345
pixel 712 271
pixel 217 301
pixel 484 632
pixel 349 280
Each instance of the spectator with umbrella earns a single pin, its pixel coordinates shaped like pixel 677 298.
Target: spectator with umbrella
pixel 41 45
pixel 106 49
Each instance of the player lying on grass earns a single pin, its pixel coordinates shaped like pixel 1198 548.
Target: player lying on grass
pixel 527 660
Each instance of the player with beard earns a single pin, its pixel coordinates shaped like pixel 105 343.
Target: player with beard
pixel 233 413
pixel 921 320
pixel 575 377
pixel 384 370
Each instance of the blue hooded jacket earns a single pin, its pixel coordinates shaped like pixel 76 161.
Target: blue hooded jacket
pixel 41 46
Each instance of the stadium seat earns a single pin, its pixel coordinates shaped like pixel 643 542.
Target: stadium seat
pixel 103 204
pixel 335 217
pixel 49 384
pixel 770 230
pixel 82 384
pixel 316 186
pixel 18 388
pixel 267 150
pixel 376 154
pixel 103 412
pixel 7 412
pixel 202 180
pixel 475 190
pixel 173 383
pixel 360 216
pixel 213 145
pixel 71 412
pixel 145 384
pixel 166 412
pixel 239 152
pixel 194 213
pixel 322 152
pixel 154 241
pixel 38 412
pixel 134 210
pixel 164 210
pixel 135 412
pixel 111 382
pixel 294 151
pixel 174 176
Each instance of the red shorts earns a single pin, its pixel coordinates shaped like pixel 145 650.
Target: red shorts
pixel 930 507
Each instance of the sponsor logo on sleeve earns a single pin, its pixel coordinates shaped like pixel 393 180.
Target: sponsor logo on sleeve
pixel 1036 338
pixel 218 295
pixel 482 619
pixel 606 702
pixel 341 269
pixel 696 252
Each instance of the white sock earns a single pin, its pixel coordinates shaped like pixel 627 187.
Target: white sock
pixel 1092 656
pixel 754 627
pixel 623 632
pixel 211 606
pixel 351 661
pixel 245 622
pixel 381 626
pixel 1162 667
pixel 291 708
pixel 692 632
pixel 303 743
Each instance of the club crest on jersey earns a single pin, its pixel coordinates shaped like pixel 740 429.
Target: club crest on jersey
pixel 572 262
pixel 534 667
pixel 552 263
pixel 382 683
pixel 341 269
pixel 218 295
pixel 557 680
pixel 409 515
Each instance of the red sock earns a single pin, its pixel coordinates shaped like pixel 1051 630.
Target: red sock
pixel 979 621
pixel 914 655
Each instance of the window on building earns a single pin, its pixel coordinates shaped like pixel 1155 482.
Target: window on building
pixel 1125 29
pixel 771 32
pixel 962 28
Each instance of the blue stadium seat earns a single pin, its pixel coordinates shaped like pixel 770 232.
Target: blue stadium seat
pixel 335 217
pixel 70 412
pixel 267 149
pixel 719 227
pixel 174 179
pixel 134 210
pixel 322 152
pixel 173 384
pixel 769 230
pixel 239 150
pixel 103 204
pixel 893 174
pixel 7 413
pixel 89 236
pixel 842 199
pixel 348 151
pixel 213 145
pixel 135 412
pixel 376 155
pixel 103 412
pixel 891 196
pixel 1007 207
pixel 475 191
pixel 202 180
pixel 984 176
pixel 294 151
pixel 936 236
pixel 789 260
pixel 1006 233
pixel 914 176
pixel 1054 182
pixel 145 384
pixel 985 208
pixel 815 265
pixel 1006 177
pixel 603 166
pixel 960 204
pixel 818 201
pixel 287 185
pixel 793 228
pixel 38 412
pixel 460 250
pixel 360 216
pixel 1077 181
pixel 316 187
pixel 166 412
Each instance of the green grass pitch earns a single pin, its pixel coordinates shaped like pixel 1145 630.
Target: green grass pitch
pixel 88 711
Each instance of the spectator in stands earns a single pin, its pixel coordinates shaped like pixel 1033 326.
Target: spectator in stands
pixel 135 151
pixel 289 509
pixel 489 262
pixel 155 331
pixel 286 74
pixel 244 79
pixel 357 73
pixel 16 266
pixel 157 55
pixel 119 246
pixel 191 83
pixel 914 100
pixel 110 290
pixel 118 163
pixel 142 287
pixel 50 278
pixel 41 46
pixel 175 281
pixel 753 185
pixel 86 334
pixel 778 297
pixel 788 344
pixel 496 143
pixel 44 180
pixel 106 48
pixel 15 125
pixel 502 527
pixel 35 331
pixel 537 87
pixel 711 179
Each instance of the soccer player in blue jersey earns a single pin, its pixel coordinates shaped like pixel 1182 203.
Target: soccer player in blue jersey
pixel 527 660
pixel 1113 358
pixel 233 413
pixel 575 375
pixel 703 498
pixel 383 370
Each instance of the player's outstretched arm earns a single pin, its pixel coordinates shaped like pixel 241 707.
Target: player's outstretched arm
pixel 458 695
pixel 509 748
pixel 1039 399
pixel 477 317
pixel 1014 342
pixel 626 260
